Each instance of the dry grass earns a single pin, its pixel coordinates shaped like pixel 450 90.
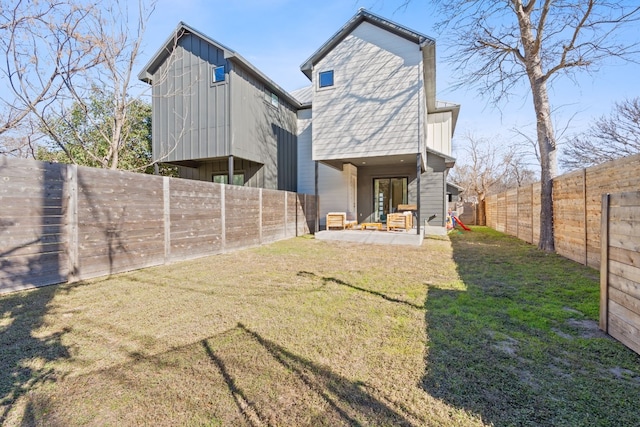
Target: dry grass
pixel 481 330
pixel 301 332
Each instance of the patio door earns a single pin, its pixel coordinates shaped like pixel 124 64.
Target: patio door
pixel 388 193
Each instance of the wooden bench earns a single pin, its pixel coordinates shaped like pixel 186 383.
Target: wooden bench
pixel 377 225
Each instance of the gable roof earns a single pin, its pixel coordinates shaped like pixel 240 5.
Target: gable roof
pixel 146 75
pixel 364 15
pixel 426 44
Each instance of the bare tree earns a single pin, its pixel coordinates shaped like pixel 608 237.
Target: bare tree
pixel 61 56
pixel 501 45
pixel 22 140
pixel 117 36
pixel 518 173
pixel 43 48
pixel 609 138
pixel 482 171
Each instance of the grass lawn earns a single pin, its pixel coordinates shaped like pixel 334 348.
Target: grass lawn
pixel 477 331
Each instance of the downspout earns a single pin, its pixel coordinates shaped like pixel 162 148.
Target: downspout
pixel 418 160
pixel 229 129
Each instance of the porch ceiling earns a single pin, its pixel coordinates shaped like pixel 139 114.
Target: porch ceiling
pixel 394 160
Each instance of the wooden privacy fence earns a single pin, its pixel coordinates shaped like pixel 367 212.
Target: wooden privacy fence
pixel 577 200
pixel 63 223
pixel 620 269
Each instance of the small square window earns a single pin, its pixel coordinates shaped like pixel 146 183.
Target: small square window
pixel 217 74
pixel 326 78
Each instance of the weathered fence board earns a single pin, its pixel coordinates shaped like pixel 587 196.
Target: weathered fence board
pixel 62 222
pixel 273 218
pixel 620 268
pixel 33 231
pixel 242 213
pixel 195 219
pixel 577 200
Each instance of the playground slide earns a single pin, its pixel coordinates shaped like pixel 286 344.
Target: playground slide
pixel 461 224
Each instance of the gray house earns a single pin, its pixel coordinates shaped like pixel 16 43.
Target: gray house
pixel 218 117
pixel 368 134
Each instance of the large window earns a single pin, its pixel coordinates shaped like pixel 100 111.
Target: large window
pixel 217 74
pixel 325 78
pixel 388 193
pixel 223 178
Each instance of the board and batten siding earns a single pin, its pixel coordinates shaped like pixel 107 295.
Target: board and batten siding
pixel 263 132
pixel 373 109
pixel 439 132
pixel 306 166
pixel 207 169
pixel 190 112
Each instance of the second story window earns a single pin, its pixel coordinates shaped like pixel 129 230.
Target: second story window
pixel 272 98
pixel 325 78
pixel 217 74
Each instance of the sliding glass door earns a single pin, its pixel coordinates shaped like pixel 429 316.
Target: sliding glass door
pixel 388 193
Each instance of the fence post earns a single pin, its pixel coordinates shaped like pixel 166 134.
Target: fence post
pixel 223 225
pixel 286 219
pixel 604 264
pixel 584 193
pixel 260 201
pixel 533 212
pixel 72 218
pixel 166 197
pixel 304 213
pixel 517 212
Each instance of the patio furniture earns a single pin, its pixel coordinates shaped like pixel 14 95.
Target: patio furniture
pixel 336 220
pixel 400 221
pixel 365 225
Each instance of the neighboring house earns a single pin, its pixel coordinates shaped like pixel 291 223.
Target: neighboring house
pixel 368 133
pixel 218 117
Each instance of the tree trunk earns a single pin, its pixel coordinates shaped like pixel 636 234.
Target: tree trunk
pixel 481 212
pixel 548 160
pixel 546 138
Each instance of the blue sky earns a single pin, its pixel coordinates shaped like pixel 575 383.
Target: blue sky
pixel 277 36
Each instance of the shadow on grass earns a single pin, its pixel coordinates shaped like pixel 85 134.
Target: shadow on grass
pixel 250 380
pixel 246 408
pixel 385 297
pixel 347 400
pixel 23 357
pixel 518 346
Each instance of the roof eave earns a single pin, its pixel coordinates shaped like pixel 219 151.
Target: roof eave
pixel 448 160
pixel 279 90
pixel 146 74
pixel 363 16
pixel 167 48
